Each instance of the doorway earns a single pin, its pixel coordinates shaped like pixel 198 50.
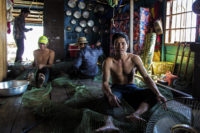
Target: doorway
pixel 34 20
pixel 30 44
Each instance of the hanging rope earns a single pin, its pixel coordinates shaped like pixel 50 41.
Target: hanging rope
pixel 31 5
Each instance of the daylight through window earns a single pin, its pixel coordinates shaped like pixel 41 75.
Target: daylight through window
pixel 180 22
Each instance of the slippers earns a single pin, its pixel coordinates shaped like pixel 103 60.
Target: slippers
pixel 41 79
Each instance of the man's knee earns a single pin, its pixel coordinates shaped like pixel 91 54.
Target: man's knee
pixel 150 97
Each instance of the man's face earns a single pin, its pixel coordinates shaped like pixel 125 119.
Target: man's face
pixel 82 45
pixel 120 45
pixel 26 15
pixel 42 46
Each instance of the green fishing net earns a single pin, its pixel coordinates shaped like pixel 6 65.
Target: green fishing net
pixel 86 110
pixel 92 120
pixel 36 96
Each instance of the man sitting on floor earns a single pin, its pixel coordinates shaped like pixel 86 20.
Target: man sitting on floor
pixel 85 66
pixel 43 60
pixel 121 68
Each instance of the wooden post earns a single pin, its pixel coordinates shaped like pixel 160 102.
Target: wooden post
pixel 195 47
pixel 163 36
pixel 54 26
pixel 131 24
pixel 3 47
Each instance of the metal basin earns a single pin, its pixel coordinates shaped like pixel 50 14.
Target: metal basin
pixel 13 87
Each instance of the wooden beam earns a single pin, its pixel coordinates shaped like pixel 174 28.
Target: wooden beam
pixel 30 5
pixel 3 40
pixel 174 90
pixel 32 19
pixel 16 2
pixel 35 17
pixel 29 16
pixel 34 22
pixel 131 24
pixel 31 11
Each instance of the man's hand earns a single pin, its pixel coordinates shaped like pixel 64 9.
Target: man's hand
pixel 114 101
pixel 40 66
pixel 162 100
pixel 98 44
pixel 30 29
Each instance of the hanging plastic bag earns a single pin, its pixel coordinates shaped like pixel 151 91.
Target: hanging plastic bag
pixel 158 27
pixel 9 5
pixel 9 8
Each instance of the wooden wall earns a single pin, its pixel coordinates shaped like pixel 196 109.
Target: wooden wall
pixel 54 26
pixel 3 47
pixel 170 53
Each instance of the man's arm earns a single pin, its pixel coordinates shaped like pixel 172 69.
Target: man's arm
pixel 99 51
pixel 26 29
pixel 99 48
pixel 51 59
pixel 105 78
pixel 113 100
pixel 78 61
pixel 21 26
pixel 34 55
pixel 50 62
pixel 137 60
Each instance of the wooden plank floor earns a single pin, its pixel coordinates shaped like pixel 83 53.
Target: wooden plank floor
pixel 14 118
pixel 8 113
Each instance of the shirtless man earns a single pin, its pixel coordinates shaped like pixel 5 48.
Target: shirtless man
pixel 43 60
pixel 121 68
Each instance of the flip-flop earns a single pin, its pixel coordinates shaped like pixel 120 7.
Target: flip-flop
pixel 41 79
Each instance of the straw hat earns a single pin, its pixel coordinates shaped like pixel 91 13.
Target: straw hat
pixel 82 40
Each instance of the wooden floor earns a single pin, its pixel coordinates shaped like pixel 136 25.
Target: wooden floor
pixel 14 118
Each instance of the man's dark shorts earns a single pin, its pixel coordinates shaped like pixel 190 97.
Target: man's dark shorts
pixel 134 95
pixel 44 71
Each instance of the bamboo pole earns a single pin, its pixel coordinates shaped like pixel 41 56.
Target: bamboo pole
pixel 131 24
pixel 187 64
pixel 168 87
pixel 163 36
pixel 181 62
pixel 3 48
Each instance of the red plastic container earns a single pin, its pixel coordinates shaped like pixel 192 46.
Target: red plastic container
pixel 73 50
